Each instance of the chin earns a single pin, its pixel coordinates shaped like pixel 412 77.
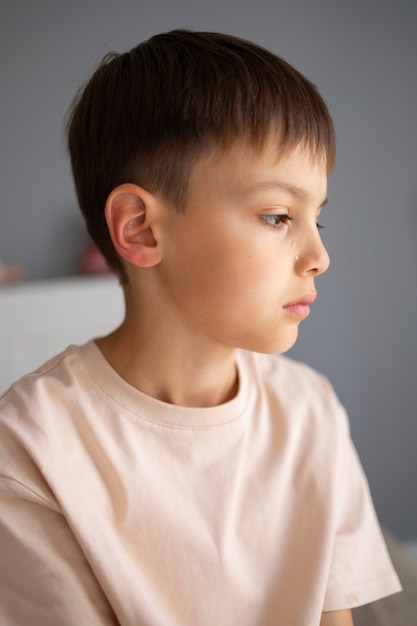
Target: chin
pixel 277 345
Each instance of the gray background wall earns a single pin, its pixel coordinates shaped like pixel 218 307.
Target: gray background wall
pixel 362 54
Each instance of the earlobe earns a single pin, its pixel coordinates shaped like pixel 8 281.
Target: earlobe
pixel 130 212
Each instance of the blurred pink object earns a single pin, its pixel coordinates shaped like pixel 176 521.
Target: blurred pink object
pixel 91 261
pixel 10 273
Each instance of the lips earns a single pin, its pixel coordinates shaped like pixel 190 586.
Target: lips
pixel 301 307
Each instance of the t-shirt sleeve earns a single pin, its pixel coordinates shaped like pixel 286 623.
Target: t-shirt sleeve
pixel 45 579
pixel 361 570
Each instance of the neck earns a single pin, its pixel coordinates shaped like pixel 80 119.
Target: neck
pixel 175 367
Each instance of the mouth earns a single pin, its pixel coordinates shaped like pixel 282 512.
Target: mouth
pixel 301 307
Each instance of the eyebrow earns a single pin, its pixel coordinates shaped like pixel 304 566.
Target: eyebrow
pixel 294 190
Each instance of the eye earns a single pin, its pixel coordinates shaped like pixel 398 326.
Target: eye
pixel 277 220
pixel 319 226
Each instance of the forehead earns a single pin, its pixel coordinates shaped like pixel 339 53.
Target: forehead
pixel 242 172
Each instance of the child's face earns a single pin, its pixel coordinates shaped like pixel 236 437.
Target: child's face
pixel 247 248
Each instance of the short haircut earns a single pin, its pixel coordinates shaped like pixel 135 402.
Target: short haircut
pixel 147 115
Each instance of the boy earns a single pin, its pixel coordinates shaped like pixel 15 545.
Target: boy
pixel 176 472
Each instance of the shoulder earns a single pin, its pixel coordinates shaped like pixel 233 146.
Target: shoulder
pixel 291 373
pixel 42 384
pixel 294 384
pixel 299 406
pixel 32 404
pixel 40 422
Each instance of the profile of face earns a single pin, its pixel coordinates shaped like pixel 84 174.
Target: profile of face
pixel 240 264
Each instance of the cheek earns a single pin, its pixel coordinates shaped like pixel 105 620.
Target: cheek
pixel 229 267
pixel 245 286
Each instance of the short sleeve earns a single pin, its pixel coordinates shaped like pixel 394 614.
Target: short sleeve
pixel 361 570
pixel 44 577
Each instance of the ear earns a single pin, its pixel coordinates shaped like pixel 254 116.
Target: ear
pixel 130 213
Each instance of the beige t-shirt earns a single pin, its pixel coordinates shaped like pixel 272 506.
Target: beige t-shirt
pixel 116 508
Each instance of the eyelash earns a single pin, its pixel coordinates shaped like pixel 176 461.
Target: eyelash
pixel 275 221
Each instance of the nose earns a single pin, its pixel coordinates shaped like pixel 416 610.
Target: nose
pixel 313 257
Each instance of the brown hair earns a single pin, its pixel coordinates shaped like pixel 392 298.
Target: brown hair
pixel 146 115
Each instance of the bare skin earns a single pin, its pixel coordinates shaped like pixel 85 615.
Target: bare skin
pixel 337 618
pixel 217 276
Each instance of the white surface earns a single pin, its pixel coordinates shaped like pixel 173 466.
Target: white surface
pixel 40 319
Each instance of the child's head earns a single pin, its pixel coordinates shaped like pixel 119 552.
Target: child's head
pixel 148 115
